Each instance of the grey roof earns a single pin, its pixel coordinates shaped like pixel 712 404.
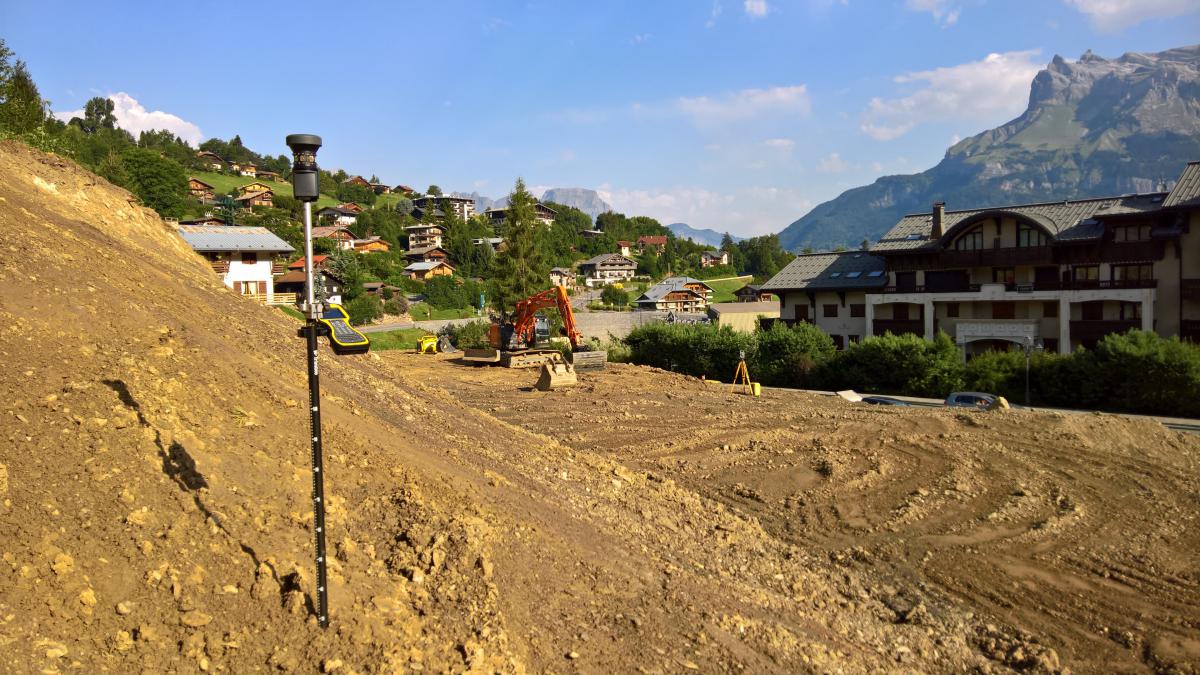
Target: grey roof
pixel 679 281
pixel 426 226
pixel 767 307
pixel 424 266
pixel 611 259
pixel 1065 221
pixel 340 210
pixel 657 291
pixel 833 271
pixel 561 270
pixel 1187 189
pixel 232 238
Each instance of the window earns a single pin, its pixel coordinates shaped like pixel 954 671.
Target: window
pixel 250 258
pixel 853 275
pixel 951 310
pixel 1131 310
pixel 839 342
pixel 1085 273
pixel 1004 310
pixel 900 311
pixel 858 311
pixel 1092 310
pixel 835 275
pixel 971 241
pixel 1050 309
pixel 801 312
pixel 875 273
pixel 830 311
pixel 1124 233
pixel 854 339
pixel 1027 235
pixel 1139 272
pixel 1004 275
pixel 1050 345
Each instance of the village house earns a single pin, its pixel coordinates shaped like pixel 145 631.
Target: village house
pixel 462 207
pixel 351 206
pixel 562 276
pixel 371 245
pixel 676 294
pixel 242 256
pixel 658 241
pixel 497 243
pixel 623 248
pixel 428 214
pixel 424 235
pixel 320 261
pixel 1059 274
pixel 267 175
pixel 206 220
pixel 404 190
pixel 427 254
pixel 254 187
pixel 544 214
pixel 829 290
pixel 743 316
pixel 248 200
pixel 324 279
pixel 211 160
pixel 358 180
pixel 343 237
pixel 426 270
pixel 752 293
pixel 714 258
pixel 607 268
pixel 201 190
pixel 248 169
pixel 381 189
pixel 338 215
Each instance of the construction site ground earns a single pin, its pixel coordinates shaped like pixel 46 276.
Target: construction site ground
pixel 155 504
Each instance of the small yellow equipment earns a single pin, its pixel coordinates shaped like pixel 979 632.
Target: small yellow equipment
pixel 741 378
pixel 343 338
pixel 427 344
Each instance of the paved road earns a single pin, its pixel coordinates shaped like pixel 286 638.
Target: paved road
pixel 431 326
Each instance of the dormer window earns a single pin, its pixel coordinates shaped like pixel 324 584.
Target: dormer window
pixel 970 241
pixel 1124 233
pixel 1029 236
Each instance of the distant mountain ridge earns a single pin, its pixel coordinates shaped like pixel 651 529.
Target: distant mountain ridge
pixel 1094 127
pixel 588 201
pixel 700 236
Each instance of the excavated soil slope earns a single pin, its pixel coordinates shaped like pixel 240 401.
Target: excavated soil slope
pixel 155 514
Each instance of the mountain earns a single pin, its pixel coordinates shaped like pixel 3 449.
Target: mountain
pixel 1093 127
pixel 481 203
pixel 709 237
pixel 588 201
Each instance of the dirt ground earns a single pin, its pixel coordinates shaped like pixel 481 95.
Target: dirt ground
pixel 155 511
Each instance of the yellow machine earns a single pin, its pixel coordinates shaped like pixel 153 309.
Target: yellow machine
pixel 427 344
pixel 343 338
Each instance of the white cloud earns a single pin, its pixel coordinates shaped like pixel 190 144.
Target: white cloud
pixel 756 9
pixel 714 14
pixel 133 117
pixel 744 104
pixel 748 211
pixel 945 12
pixel 1111 16
pixel 785 144
pixel 640 38
pixel 985 92
pixel 833 164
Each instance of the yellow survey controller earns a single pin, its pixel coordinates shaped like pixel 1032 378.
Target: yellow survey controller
pixel 343 338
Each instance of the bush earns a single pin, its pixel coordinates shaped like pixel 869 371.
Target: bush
pixel 692 349
pixel 896 364
pixel 395 306
pixel 470 335
pixel 611 295
pixel 785 356
pixel 452 293
pixel 364 309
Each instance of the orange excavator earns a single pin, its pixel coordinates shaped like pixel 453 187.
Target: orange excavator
pixel 514 342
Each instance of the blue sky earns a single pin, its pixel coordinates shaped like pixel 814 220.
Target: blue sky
pixel 735 115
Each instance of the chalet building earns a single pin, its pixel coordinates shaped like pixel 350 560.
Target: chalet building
pixel 338 215
pixel 254 187
pixel 752 293
pixel 544 214
pixel 607 268
pixel 201 190
pixel 1060 274
pixel 371 245
pixel 357 180
pixel 623 248
pixel 497 243
pixel 248 169
pixel 293 282
pixel 743 316
pixel 425 235
pixel 427 270
pixel 714 258
pixel 429 214
pixel 462 207
pixel 658 241
pixel 562 276
pixel 676 294
pixel 248 200
pixel 829 290
pixel 404 190
pixel 381 189
pixel 242 256
pixel 211 160
pixel 343 237
pixel 428 254
pixel 351 206
pixel 320 262
pixel 206 220
pixel 267 175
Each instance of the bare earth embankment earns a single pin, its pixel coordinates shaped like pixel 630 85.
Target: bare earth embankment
pixel 155 514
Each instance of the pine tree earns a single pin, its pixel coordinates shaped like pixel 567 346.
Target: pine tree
pixel 520 271
pixel 22 109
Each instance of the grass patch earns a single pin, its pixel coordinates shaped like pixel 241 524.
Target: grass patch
pixel 223 183
pixel 292 311
pixel 405 338
pixel 423 312
pixel 723 290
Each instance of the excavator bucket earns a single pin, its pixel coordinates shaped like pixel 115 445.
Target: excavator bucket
pixel 555 375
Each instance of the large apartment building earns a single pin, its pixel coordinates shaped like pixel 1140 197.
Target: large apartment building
pixel 1059 274
pixel 462 207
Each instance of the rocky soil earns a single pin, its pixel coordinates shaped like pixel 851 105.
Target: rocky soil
pixel 155 511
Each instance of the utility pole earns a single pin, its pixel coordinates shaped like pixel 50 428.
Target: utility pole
pixel 306 186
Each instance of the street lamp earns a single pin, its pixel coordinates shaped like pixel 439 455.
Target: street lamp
pixel 1029 346
pixel 306 188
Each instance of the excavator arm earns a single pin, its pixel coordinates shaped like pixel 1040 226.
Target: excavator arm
pixel 525 314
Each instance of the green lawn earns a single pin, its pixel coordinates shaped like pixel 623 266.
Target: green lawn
pixel 292 311
pixel 223 183
pixel 405 338
pixel 423 312
pixel 723 290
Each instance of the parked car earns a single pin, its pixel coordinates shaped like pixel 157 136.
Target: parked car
pixel 971 399
pixel 884 400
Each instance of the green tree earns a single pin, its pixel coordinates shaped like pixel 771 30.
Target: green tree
pixel 160 183
pixel 434 190
pixel 785 356
pixel 22 109
pixel 519 270
pixel 98 114
pixel 617 297
pixel 112 169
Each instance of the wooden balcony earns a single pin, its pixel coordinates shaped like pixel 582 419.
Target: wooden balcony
pixel 279 267
pixel 898 326
pixel 277 299
pixel 941 288
pixel 220 266
pixel 1099 284
pixel 1096 329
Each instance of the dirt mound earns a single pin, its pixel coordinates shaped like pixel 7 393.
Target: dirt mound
pixel 154 499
